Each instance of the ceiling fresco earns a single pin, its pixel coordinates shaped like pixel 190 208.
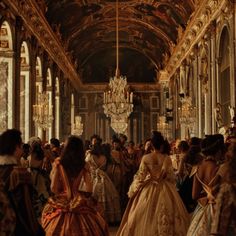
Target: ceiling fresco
pixel 147 31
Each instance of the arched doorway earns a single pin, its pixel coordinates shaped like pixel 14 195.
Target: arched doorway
pixel 49 93
pixel 57 108
pixel 224 94
pixel 38 90
pixel 24 92
pixel 6 77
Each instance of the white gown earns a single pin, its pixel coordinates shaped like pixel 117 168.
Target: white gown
pixel 155 207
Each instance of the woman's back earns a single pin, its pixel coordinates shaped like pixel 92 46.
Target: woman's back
pixel 155 207
pixel 205 176
pixel 159 164
pixel 70 211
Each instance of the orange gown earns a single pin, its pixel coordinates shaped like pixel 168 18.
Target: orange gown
pixel 70 212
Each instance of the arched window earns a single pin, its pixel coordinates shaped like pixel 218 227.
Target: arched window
pixel 24 92
pixel 38 89
pixel 57 108
pixel 6 77
pixel 224 76
pixel 49 92
pixel 203 86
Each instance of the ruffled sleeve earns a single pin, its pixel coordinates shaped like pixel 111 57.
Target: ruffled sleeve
pixel 138 179
pixel 223 171
pixel 56 178
pixel 86 184
pixel 167 171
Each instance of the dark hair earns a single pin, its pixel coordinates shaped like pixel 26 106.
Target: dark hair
pixel 97 137
pixel 87 144
pixel 166 147
pixel 55 142
pixel 96 149
pixel 157 140
pixel 123 136
pixel 116 140
pixel 9 140
pixel 26 148
pixel 73 156
pixel 183 146
pixel 193 156
pixel 212 144
pixel 37 151
pixel 131 142
pixel 195 141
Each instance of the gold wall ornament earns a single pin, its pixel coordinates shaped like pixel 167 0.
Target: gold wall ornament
pixel 43 112
pixel 38 25
pixel 196 28
pixel 77 127
pixel 163 126
pixel 187 114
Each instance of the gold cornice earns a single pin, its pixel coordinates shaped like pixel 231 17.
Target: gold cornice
pixel 134 87
pixel 38 25
pixel 202 18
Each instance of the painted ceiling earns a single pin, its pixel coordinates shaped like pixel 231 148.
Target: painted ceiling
pixel 147 32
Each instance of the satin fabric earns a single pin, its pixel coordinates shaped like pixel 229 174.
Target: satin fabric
pixel 155 207
pixel 71 212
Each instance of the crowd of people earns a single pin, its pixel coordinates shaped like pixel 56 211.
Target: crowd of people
pixel 186 187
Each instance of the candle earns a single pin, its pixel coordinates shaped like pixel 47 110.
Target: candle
pixel 131 97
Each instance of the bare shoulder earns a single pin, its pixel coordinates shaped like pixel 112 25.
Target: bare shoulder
pixel 147 156
pixel 207 169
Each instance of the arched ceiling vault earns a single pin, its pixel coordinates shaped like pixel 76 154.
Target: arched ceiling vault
pixel 147 29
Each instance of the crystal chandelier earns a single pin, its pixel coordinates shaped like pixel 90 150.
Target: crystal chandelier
pixel 187 113
pixel 118 101
pixel 42 112
pixel 163 126
pixel 78 126
pixel 119 125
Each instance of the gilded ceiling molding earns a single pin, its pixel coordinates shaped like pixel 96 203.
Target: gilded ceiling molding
pixel 38 25
pixel 144 24
pixel 136 87
pixel 208 10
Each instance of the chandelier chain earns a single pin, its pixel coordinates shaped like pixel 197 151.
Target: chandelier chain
pixel 118 100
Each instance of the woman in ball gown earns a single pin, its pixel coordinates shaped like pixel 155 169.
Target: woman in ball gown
pixel 205 185
pixel 155 207
pixel 224 219
pixel 104 191
pixel 70 211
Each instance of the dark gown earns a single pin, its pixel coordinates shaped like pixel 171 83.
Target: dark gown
pixel 71 212
pixel 18 186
